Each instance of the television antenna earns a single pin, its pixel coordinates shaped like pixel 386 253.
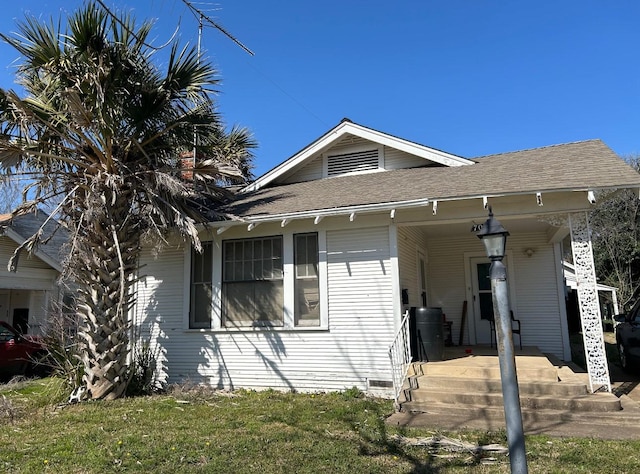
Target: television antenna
pixel 203 18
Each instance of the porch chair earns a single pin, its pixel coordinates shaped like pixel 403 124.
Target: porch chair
pixel 515 329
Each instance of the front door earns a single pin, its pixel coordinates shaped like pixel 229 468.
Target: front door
pixel 482 300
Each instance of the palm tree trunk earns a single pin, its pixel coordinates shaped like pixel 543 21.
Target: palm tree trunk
pixel 108 249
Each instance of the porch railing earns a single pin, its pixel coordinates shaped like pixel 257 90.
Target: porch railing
pixel 400 355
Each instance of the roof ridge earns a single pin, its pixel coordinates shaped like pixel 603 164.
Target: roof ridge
pixel 540 148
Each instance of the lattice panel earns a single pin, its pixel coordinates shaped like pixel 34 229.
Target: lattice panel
pixel 588 301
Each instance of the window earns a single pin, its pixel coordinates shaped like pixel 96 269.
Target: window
pixel 252 282
pixel 307 290
pixel 201 287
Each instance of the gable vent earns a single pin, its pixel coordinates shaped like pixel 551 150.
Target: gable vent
pixel 352 162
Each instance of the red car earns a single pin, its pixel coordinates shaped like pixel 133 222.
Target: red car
pixel 20 354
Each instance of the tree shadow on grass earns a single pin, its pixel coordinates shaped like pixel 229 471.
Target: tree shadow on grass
pixel 378 441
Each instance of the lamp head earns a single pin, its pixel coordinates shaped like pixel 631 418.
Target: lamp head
pixel 494 237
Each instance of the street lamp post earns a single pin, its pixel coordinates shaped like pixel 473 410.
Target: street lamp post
pixel 494 238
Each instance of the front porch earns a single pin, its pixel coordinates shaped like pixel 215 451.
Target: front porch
pixel 464 391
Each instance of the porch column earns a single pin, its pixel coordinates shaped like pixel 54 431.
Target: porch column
pixel 588 303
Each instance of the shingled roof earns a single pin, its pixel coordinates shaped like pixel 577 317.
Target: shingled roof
pixel 55 237
pixel 586 165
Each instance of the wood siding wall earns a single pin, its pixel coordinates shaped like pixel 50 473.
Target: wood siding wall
pixel 351 352
pixel 534 286
pixel 309 172
pixel 410 241
pixel 8 246
pixel 396 159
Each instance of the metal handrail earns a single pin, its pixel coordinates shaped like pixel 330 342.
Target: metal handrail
pixel 400 356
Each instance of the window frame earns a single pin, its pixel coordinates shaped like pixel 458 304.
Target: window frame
pixel 300 280
pixel 191 321
pixel 239 233
pixel 253 262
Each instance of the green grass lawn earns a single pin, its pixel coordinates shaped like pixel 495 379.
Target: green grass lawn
pixel 263 432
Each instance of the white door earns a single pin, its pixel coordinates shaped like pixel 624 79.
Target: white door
pixel 4 306
pixel 482 299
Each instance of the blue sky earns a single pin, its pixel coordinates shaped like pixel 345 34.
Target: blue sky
pixel 469 77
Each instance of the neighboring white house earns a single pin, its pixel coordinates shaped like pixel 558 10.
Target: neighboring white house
pixel 27 294
pixel 303 290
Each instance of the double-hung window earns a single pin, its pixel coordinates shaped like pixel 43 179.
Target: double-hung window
pixel 252 282
pixel 269 281
pixel 307 288
pixel 201 301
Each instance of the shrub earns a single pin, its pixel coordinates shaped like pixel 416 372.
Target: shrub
pixel 142 372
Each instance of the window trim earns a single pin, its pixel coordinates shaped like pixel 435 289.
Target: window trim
pixel 299 279
pixel 191 286
pixel 288 281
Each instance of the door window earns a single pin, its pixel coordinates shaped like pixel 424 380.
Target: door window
pixel 484 291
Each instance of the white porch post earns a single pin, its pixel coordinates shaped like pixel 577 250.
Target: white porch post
pixel 591 321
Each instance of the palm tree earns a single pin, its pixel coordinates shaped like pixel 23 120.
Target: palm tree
pixel 101 131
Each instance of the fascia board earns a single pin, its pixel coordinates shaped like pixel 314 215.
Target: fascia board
pixel 377 207
pixel 325 140
pixel 422 151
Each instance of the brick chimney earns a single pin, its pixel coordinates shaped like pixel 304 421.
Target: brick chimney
pixel 186 160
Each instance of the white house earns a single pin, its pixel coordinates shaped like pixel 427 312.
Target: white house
pixel 27 294
pixel 303 289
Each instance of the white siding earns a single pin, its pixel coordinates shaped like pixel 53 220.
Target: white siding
pixel 8 246
pixel 350 352
pixel 309 172
pixel 396 159
pixel 410 241
pixel 38 304
pixel 351 141
pixel 536 293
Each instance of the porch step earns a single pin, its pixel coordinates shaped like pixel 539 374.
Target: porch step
pixel 624 424
pixel 529 368
pixel 477 385
pixel 465 391
pixel 425 399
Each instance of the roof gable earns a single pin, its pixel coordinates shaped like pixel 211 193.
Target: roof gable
pixel 343 132
pixel 22 227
